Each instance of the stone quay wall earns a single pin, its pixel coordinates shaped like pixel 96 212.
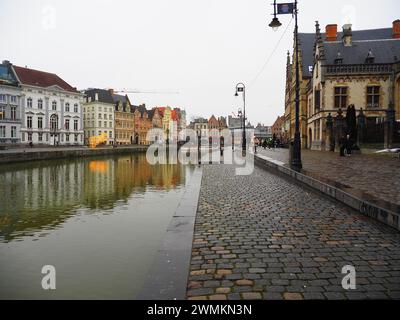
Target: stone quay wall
pixel 31 155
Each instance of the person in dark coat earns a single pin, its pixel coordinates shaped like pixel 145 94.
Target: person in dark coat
pixel 348 145
pixel 342 145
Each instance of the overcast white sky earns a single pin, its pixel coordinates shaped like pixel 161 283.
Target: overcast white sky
pixel 200 48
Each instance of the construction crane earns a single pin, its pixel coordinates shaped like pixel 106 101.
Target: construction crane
pixel 129 91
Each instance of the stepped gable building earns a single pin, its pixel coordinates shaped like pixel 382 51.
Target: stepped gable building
pixel 143 123
pixel 98 114
pixel 339 69
pixel 51 109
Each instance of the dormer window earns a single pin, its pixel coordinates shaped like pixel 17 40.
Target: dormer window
pixel 370 58
pixel 339 58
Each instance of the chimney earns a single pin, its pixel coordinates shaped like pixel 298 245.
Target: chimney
pixel 96 96
pixel 6 62
pixel 347 35
pixel 111 91
pixel 396 29
pixel 331 32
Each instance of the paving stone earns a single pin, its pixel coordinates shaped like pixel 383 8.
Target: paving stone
pixel 313 296
pixel 238 289
pixel 198 298
pixel 200 292
pixel 272 296
pixel 244 282
pixel 335 296
pixel 234 296
pixel 223 290
pixel 251 296
pixel 218 297
pixel 292 296
pixel 257 270
pixel 211 284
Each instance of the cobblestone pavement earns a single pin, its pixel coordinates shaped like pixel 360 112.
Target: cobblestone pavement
pixel 262 237
pixel 375 178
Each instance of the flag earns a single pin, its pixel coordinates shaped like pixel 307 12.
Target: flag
pixel 285 8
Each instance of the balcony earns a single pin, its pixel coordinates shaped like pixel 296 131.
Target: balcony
pixel 346 69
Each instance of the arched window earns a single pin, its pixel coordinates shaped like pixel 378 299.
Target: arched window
pixel 67 107
pixel 54 122
pixel 29 103
pixel 40 104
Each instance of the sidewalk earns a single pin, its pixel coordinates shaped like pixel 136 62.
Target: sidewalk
pixel 371 177
pixel 264 237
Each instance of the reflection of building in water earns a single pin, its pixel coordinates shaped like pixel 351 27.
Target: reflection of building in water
pixel 99 184
pixel 43 195
pixel 39 196
pixel 134 173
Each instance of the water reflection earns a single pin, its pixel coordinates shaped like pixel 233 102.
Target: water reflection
pixel 42 195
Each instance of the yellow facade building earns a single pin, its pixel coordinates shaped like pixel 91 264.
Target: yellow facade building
pixel 124 120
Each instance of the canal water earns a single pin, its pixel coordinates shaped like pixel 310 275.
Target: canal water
pixel 99 222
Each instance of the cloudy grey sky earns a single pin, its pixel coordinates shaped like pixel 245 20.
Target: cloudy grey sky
pixel 199 48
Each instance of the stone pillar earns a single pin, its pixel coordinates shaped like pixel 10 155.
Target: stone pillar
pixel 389 127
pixel 339 129
pixel 330 139
pixel 361 125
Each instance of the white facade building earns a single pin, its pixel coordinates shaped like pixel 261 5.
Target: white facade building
pixel 98 114
pixel 51 110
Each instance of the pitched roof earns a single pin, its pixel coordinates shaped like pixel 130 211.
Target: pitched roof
pixel 384 51
pixel 213 121
pixel 41 79
pixel 307 41
pixel 103 95
pixel 118 97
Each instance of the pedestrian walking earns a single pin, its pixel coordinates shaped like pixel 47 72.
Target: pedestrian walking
pixel 342 145
pixel 348 145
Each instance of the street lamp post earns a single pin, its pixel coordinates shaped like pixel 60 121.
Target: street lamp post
pixel 291 8
pixel 240 87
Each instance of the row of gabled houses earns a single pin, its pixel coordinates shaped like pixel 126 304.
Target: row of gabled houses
pixel 131 123
pixel 40 108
